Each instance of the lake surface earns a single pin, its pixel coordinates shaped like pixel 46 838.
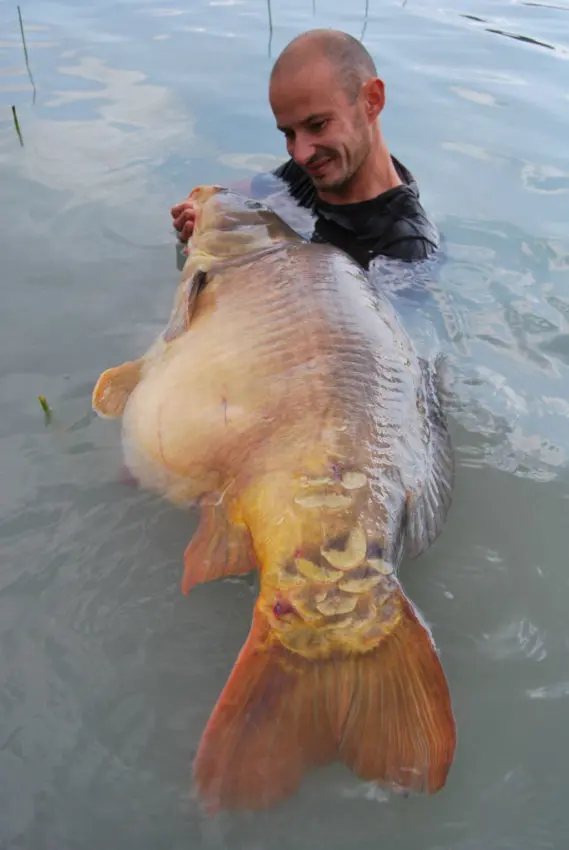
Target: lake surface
pixel 107 672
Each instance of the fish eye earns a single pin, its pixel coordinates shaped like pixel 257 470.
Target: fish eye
pixel 253 205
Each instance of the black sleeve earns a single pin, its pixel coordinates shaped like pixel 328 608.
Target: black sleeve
pixel 412 235
pixel 410 248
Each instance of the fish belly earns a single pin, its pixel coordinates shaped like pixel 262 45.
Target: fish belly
pixel 292 352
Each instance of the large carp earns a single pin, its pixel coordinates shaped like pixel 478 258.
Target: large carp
pixel 287 401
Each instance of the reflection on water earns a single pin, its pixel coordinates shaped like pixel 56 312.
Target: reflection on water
pixel 515 36
pixel 107 673
pixel 17 126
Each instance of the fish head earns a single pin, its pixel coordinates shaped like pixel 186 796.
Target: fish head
pixel 229 225
pixel 229 228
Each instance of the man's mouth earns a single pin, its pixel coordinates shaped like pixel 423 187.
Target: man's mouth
pixel 316 168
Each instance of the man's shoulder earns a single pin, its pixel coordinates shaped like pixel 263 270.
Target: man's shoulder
pixel 394 224
pixel 410 235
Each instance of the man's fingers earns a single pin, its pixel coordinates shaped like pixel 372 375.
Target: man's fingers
pixel 177 209
pixel 187 231
pixel 186 217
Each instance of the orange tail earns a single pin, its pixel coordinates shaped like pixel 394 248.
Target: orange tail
pixel 386 714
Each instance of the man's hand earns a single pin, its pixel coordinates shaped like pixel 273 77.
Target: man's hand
pixel 184 216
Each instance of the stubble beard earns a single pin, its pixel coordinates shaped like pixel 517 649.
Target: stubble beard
pixel 355 161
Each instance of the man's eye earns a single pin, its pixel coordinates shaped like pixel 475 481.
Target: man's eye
pixel 317 126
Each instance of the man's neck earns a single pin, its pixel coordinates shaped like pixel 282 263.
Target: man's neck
pixel 376 175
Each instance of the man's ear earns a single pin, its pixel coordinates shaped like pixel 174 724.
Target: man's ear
pixel 374 97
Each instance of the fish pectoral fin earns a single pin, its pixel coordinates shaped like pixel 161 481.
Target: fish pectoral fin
pixel 427 507
pixel 114 387
pixel 186 301
pixel 195 285
pixel 400 731
pixel 218 548
pixel 266 730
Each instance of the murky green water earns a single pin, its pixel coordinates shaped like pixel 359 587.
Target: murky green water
pixel 107 673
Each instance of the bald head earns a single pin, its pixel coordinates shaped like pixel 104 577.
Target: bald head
pixel 326 97
pixel 348 58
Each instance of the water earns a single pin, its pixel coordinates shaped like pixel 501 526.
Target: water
pixel 107 673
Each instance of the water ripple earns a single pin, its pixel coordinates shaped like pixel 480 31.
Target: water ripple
pixel 514 640
pixel 560 690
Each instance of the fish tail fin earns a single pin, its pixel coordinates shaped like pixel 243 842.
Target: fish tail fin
pixel 400 730
pixel 266 730
pixel 386 714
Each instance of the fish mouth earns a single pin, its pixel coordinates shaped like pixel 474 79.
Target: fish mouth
pixel 201 194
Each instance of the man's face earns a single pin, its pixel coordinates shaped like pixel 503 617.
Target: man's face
pixel 326 135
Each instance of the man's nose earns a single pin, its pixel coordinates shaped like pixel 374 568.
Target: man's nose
pixel 303 150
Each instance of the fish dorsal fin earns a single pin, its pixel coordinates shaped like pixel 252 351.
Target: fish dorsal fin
pixel 428 506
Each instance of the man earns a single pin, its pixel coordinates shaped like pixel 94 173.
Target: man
pixel 326 97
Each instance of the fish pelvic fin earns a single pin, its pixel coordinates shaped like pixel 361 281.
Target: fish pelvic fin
pixel 385 713
pixel 218 548
pixel 113 389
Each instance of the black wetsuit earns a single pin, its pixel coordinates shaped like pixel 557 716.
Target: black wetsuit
pixel 394 224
